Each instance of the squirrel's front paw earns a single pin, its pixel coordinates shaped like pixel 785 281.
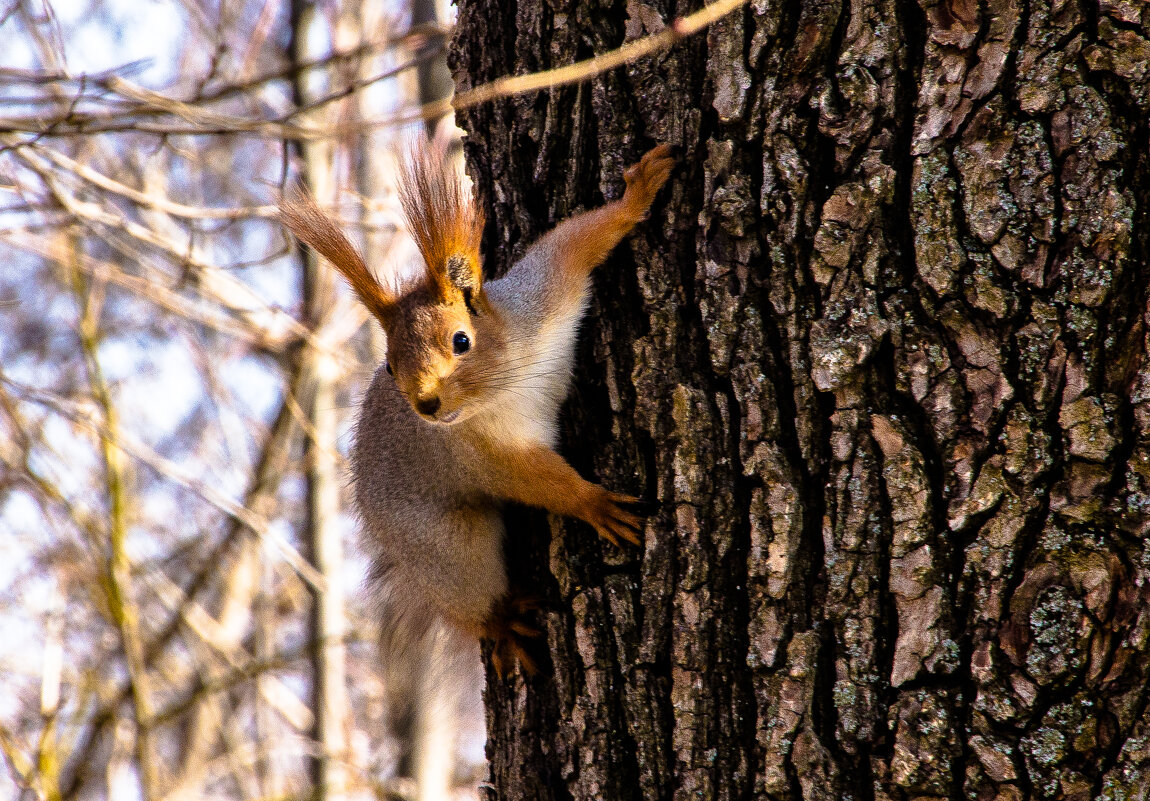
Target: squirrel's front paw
pixel 646 178
pixel 614 523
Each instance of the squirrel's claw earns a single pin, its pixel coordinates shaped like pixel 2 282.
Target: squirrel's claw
pixel 615 523
pixel 509 627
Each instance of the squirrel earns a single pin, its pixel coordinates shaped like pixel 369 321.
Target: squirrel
pixel 463 414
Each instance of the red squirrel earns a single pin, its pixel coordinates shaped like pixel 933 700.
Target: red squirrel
pixel 463 415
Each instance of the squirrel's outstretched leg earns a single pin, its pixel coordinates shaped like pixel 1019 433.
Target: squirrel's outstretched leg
pixel 537 476
pixel 579 244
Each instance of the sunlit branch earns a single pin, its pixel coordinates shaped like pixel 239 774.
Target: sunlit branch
pixel 678 28
pixel 225 290
pixel 265 479
pixel 209 632
pixel 236 676
pixel 15 753
pixel 150 200
pixel 218 317
pixel 166 467
pixel 137 104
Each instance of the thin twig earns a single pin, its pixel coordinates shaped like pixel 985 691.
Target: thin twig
pixel 265 480
pixel 149 200
pixel 118 576
pixel 207 630
pixel 166 467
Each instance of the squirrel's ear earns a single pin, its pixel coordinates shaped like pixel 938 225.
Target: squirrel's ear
pixel 311 225
pixel 444 221
pixel 465 275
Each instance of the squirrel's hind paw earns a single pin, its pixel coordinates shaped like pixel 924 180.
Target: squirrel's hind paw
pixel 510 627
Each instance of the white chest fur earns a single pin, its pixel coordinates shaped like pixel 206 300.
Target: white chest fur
pixel 525 407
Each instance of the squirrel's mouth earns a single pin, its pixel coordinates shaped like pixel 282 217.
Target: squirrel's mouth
pixel 448 419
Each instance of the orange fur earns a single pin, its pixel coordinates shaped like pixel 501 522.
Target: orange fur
pixel 311 225
pixel 538 476
pixel 441 217
pixel 581 243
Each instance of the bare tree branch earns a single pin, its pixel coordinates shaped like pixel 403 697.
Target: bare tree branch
pixel 120 590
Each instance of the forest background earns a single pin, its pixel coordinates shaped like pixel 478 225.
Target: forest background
pixel 179 588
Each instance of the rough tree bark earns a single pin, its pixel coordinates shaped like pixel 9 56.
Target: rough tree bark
pixel 878 360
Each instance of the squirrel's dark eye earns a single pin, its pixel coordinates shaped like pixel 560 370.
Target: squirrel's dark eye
pixel 387 366
pixel 460 343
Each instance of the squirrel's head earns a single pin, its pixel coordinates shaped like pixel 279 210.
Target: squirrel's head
pixel 444 340
pixel 442 351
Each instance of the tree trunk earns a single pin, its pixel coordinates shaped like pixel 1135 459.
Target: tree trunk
pixel 324 545
pixel 878 360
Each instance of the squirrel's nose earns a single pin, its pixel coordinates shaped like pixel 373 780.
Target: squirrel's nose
pixel 428 406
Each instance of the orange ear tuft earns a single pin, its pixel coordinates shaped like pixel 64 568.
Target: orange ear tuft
pixel 443 219
pixel 311 225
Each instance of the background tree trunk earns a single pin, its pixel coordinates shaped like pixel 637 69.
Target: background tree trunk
pixel 878 358
pixel 329 699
